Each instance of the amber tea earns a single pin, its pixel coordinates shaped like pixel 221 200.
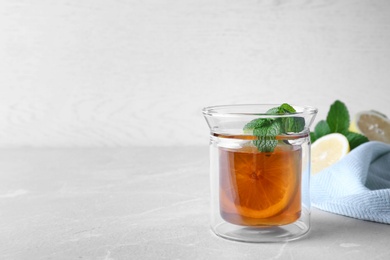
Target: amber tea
pixel 260 171
pixel 260 188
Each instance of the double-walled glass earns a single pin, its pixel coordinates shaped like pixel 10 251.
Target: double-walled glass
pixel 257 194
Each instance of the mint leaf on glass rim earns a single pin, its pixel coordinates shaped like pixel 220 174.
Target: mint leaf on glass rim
pixel 292 124
pixel 281 110
pixel 266 129
pixel 286 108
pixel 266 136
pixel 258 123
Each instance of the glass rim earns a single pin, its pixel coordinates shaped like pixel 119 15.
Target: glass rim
pixel 220 110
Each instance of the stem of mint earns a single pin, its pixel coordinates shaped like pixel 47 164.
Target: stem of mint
pixel 266 129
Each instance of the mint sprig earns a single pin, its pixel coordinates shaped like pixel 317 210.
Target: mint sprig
pixel 266 135
pixel 338 117
pixel 266 129
pixel 337 121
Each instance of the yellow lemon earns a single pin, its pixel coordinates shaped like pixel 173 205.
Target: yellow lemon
pixel 353 127
pixel 327 150
pixel 374 125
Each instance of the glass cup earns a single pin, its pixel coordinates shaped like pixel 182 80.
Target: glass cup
pixel 259 176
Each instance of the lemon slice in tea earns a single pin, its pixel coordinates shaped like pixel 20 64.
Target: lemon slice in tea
pixel 257 185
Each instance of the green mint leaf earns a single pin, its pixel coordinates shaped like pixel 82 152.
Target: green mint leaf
pixel 337 121
pixel 287 109
pixel 273 111
pixel 266 141
pixel 313 137
pixel 290 124
pixel 281 110
pixel 322 128
pixel 293 124
pixel 266 129
pixel 355 139
pixel 338 117
pixel 257 123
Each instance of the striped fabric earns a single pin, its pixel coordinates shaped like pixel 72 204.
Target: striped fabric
pixel 357 186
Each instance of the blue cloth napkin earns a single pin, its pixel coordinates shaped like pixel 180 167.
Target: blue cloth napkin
pixel 358 185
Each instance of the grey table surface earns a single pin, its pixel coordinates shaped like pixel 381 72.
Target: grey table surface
pixel 142 203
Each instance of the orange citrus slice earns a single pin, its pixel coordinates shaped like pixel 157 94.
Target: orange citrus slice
pixel 258 185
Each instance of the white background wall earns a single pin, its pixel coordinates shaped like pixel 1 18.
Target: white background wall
pixel 138 72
